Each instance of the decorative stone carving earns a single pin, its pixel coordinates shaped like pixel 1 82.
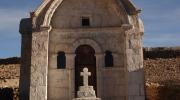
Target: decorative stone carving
pixel 86 92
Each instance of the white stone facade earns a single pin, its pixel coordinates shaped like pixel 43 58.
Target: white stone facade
pixel 56 26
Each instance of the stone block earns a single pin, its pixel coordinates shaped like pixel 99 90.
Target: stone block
pixel 58 74
pixel 136 77
pixel 118 59
pixel 58 83
pixel 53 61
pixel 133 90
pixel 38 79
pixel 114 91
pixel 142 90
pixel 38 93
pixel 56 93
pixel 139 98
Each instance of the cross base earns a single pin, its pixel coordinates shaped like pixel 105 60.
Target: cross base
pixel 86 93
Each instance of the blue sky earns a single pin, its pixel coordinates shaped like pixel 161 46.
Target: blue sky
pixel 161 19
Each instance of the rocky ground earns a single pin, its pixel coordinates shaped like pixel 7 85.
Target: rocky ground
pixel 9 72
pixel 9 81
pixel 162 79
pixel 163 71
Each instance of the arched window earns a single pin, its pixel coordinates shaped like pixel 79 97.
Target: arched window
pixel 61 60
pixel 108 59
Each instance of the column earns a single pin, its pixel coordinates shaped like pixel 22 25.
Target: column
pixel 99 67
pixel 39 65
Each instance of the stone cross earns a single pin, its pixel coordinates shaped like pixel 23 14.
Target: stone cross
pixel 85 75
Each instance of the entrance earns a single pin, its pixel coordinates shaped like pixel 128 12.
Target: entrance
pixel 85 58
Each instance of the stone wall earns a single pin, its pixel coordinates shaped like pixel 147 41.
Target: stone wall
pixel 9 79
pixel 162 68
pixel 102 34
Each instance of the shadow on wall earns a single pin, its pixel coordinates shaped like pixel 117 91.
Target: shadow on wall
pixel 169 91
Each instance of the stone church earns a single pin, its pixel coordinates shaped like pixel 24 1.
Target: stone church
pixel 61 37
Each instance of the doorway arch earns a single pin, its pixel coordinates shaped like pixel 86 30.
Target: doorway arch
pixel 85 57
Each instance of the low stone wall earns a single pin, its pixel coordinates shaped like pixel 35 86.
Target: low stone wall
pixel 9 80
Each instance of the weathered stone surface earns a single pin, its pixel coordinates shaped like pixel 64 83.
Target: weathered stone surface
pixel 57 27
pixel 86 92
pixel 39 65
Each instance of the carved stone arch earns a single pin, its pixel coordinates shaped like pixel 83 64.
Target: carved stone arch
pixel 55 4
pixel 90 42
pixel 49 14
pixel 41 7
pixel 121 7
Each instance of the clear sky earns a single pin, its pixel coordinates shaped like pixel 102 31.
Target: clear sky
pixel 161 19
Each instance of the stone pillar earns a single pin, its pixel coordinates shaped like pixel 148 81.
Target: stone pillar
pixel 26 41
pixel 39 65
pixel 99 66
pixel 70 66
pixel 25 66
pixel 134 63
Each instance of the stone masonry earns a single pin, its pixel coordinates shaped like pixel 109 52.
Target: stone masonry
pixel 100 29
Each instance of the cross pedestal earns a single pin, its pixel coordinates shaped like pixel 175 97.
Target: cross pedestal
pixel 86 92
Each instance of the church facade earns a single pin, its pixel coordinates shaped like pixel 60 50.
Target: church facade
pixel 64 36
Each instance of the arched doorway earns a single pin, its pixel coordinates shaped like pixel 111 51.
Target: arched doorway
pixel 85 57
